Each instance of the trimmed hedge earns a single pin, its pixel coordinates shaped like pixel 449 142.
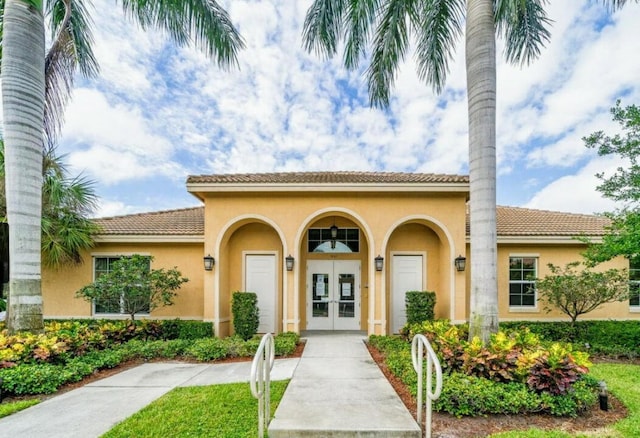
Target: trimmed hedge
pixel 420 306
pixel 246 315
pixel 614 338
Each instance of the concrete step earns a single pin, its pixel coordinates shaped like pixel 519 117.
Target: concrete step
pixel 337 390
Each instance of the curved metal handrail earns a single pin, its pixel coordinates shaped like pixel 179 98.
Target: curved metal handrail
pixel 260 380
pixel 418 345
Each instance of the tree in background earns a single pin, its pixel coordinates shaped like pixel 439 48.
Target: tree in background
pixel 132 287
pixel 578 292
pixel 35 89
pixel 622 237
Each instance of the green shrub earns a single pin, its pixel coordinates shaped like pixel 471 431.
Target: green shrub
pixel 473 396
pixel 194 329
pixel 246 316
pixel 207 349
pixel 387 344
pixel 616 338
pixel 583 395
pixel 33 379
pixel 420 306
pixel 285 343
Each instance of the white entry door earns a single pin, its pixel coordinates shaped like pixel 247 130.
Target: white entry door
pixel 260 277
pixel 333 295
pixel 407 276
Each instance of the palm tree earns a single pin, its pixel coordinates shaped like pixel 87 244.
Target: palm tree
pixel 66 204
pixel 27 126
pixel 436 25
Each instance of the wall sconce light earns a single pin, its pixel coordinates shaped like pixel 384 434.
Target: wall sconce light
pixel 460 262
pixel 288 261
pixel 379 262
pixel 209 262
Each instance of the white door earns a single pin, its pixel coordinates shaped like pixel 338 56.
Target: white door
pixel 333 295
pixel 260 277
pixel 407 276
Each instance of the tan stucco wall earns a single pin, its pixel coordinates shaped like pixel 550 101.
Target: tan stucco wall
pixel 59 286
pixel 378 216
pixel 559 255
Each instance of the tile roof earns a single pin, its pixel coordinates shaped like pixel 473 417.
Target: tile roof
pixel 327 178
pixel 512 221
pixel 516 221
pixel 182 222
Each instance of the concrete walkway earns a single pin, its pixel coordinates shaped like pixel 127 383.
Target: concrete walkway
pixel 338 391
pixel 95 408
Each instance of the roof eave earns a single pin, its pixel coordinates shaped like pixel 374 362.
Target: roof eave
pixel 541 240
pixel 149 238
pixel 326 187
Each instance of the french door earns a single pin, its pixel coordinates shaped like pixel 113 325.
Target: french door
pixel 333 295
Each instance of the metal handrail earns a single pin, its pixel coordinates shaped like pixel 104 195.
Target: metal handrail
pixel 260 380
pixel 418 345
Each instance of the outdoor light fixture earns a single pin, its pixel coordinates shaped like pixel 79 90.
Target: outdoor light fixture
pixel 379 261
pixel 460 262
pixel 288 260
pixel 334 235
pixel 209 262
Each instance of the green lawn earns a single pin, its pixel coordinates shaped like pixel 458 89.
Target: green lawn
pixel 12 407
pixel 201 411
pixel 624 382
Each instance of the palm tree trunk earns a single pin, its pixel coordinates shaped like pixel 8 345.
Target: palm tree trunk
pixel 481 89
pixel 23 89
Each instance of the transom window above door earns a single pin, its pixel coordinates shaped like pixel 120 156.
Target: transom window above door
pixel 346 240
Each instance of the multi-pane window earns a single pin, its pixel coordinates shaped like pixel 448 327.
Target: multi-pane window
pixel 634 282
pixel 347 240
pixel 523 272
pixel 101 266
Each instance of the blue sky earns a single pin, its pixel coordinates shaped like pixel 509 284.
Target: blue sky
pixel 159 113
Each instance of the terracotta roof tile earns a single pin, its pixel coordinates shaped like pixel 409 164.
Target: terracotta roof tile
pixel 512 221
pixel 182 222
pixel 515 221
pixel 327 178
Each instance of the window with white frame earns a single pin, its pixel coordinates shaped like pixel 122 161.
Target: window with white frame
pixel 523 272
pixel 101 266
pixel 634 282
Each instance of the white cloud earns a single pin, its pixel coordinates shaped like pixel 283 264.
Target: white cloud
pixel 158 111
pixel 577 192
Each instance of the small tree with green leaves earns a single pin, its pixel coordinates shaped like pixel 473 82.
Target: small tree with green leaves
pixel 576 292
pixel 131 286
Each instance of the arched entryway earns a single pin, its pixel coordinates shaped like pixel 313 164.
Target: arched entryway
pixel 419 254
pixel 333 291
pixel 250 260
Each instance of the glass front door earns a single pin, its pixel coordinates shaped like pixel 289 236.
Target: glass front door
pixel 333 295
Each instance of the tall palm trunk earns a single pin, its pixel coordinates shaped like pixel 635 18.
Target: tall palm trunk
pixel 481 91
pixel 23 89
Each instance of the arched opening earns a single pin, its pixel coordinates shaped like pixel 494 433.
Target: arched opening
pixel 419 254
pixel 333 276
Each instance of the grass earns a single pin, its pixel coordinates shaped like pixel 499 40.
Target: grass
pixel 13 407
pixel 202 411
pixel 624 382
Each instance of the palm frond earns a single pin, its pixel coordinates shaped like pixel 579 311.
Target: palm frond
pixel 616 4
pixel 323 26
pixel 203 22
pixel 70 50
pixel 439 24
pixel 360 18
pixel 389 48
pixel 524 26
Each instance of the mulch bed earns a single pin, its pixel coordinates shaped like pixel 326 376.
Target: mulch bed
pixel 448 426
